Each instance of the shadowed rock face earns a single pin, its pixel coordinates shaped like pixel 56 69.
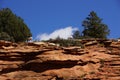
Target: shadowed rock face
pixel 44 62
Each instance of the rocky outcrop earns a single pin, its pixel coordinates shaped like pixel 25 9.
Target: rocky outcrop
pixel 75 51
pixel 6 44
pixel 42 61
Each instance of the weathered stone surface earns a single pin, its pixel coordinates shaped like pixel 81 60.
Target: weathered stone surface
pixel 75 51
pixel 7 43
pixel 91 43
pixel 50 62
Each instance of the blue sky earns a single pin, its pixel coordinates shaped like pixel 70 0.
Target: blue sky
pixel 47 16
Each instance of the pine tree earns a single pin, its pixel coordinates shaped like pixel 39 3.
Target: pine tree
pixel 76 34
pixel 94 28
pixel 6 37
pixel 13 25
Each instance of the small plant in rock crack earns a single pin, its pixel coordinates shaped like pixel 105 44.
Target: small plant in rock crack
pixel 110 48
pixel 82 76
pixel 101 45
pixel 92 72
pixel 100 69
pixel 102 62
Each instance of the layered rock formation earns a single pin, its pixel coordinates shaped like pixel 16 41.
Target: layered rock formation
pixel 98 60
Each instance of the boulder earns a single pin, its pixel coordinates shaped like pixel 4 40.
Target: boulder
pixel 7 44
pixel 37 44
pixel 91 43
pixel 107 43
pixel 75 51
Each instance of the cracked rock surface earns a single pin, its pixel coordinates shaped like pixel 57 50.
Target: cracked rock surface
pixel 44 62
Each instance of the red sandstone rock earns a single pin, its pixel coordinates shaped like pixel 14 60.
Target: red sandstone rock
pixel 24 62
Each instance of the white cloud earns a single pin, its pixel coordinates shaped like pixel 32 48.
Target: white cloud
pixel 62 33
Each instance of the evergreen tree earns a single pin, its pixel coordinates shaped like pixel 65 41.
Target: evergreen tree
pixel 13 25
pixel 94 28
pixel 6 37
pixel 76 34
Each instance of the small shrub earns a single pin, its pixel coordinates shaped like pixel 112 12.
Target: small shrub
pixel 92 72
pixel 66 42
pixel 102 62
pixel 6 37
pixel 82 76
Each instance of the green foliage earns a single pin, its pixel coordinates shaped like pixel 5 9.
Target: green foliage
pixel 66 42
pixel 94 28
pixel 5 36
pixel 13 25
pixel 76 34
